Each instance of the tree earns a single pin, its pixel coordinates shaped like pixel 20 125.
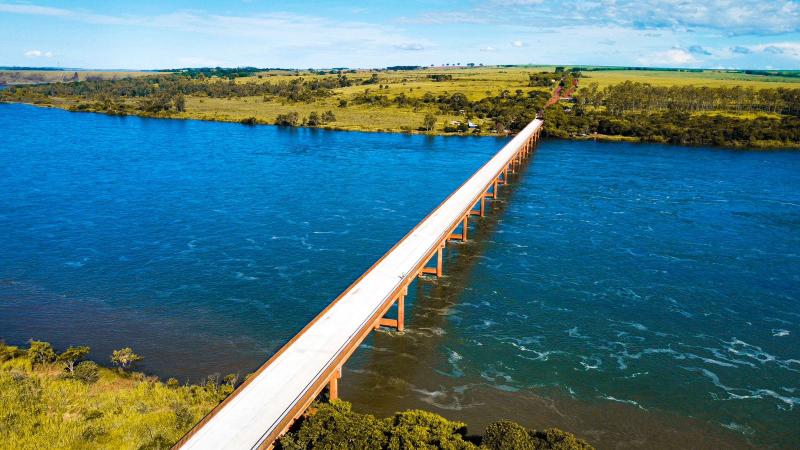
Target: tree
pixel 71 356
pixel 289 119
pixel 429 122
pixel 125 358
pixel 328 116
pixel 41 352
pixel 180 103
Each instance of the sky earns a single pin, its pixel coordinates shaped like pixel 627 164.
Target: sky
pixel 144 34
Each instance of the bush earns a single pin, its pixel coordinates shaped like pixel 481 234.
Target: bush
pixel 8 352
pixel 335 426
pixel 553 438
pixel 328 116
pixel 313 119
pixel 507 435
pixel 172 383
pixel 87 372
pixel 41 352
pixel 422 429
pixel 290 119
pixel 249 121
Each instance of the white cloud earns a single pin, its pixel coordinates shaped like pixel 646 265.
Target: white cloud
pixel 414 47
pixel 487 48
pixel 445 17
pixel 730 16
pixel 670 58
pixel 790 49
pixel 38 54
pixel 305 31
pixel 518 44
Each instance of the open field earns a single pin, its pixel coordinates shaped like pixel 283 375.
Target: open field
pixel 710 78
pixel 475 83
pixel 60 76
pixel 354 117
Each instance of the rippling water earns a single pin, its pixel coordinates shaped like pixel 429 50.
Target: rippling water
pixel 639 294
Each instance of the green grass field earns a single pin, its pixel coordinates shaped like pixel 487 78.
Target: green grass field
pixel 710 78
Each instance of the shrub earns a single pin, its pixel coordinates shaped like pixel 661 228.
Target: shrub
pixel 507 435
pixel 41 352
pixel 553 438
pixel 328 116
pixel 248 121
pixel 172 383
pixel 125 358
pixel 290 119
pixel 335 426
pixel 422 429
pixel 8 352
pixel 87 372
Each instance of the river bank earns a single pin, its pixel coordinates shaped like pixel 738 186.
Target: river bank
pixel 362 123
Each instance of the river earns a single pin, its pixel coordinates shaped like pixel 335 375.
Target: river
pixel 639 295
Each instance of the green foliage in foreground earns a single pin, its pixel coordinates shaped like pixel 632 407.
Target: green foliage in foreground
pixel 43 405
pixel 52 401
pixel 335 425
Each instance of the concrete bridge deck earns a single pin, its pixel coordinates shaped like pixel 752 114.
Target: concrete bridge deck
pixel 267 403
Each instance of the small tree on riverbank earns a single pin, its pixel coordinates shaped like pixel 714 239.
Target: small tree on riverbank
pixel 41 352
pixel 125 358
pixel 429 122
pixel 72 355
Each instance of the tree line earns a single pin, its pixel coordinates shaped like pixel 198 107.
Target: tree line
pixel 631 96
pixel 680 128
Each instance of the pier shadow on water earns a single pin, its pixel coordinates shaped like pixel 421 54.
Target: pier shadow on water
pixel 415 369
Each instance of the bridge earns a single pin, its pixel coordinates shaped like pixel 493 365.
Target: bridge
pixel 266 404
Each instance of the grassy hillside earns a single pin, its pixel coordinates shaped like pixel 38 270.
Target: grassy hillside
pixel 44 406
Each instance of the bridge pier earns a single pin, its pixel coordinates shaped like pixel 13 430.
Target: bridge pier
pixel 482 210
pixel 435 270
pixel 464 227
pixel 333 384
pixel 399 323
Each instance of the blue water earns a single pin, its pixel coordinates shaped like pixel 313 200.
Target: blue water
pixel 622 283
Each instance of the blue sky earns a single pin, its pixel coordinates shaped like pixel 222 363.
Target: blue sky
pixel 144 34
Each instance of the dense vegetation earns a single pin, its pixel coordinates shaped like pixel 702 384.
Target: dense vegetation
pixel 335 426
pixel 60 400
pixel 684 115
